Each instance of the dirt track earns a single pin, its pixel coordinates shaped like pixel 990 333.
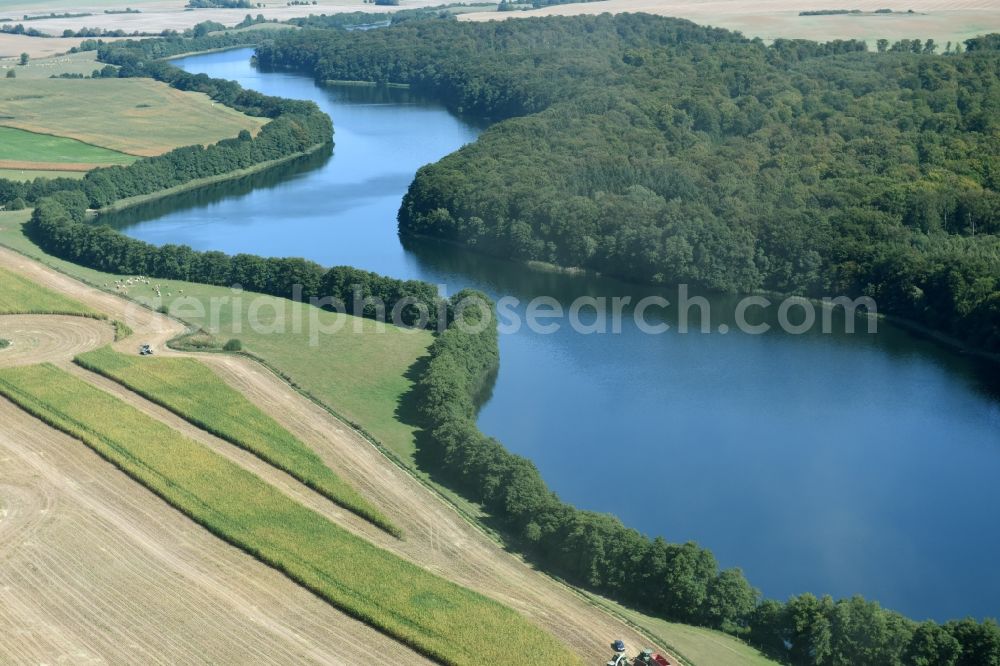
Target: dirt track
pixel 53 338
pixel 96 569
pixel 436 536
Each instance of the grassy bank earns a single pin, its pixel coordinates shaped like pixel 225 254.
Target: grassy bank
pixel 442 620
pixel 359 371
pixel 195 393
pixel 696 646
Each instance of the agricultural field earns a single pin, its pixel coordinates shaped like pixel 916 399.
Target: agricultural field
pixel 139 117
pixel 84 62
pixel 195 393
pixel 31 174
pixel 21 296
pixel 438 618
pixel 157 15
pixel 771 19
pixel 363 374
pixel 12 46
pixel 436 536
pixel 697 646
pixel 21 148
pixel 96 569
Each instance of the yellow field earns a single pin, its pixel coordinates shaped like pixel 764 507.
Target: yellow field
pixel 444 621
pixel 941 20
pixel 83 62
pixel 135 116
pixel 12 46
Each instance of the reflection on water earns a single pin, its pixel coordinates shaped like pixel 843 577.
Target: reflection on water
pixel 833 464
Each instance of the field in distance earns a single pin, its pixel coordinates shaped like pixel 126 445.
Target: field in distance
pixel 136 116
pixel 83 62
pixel 23 149
pixel 771 19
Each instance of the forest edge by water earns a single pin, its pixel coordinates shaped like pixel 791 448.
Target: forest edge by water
pixel 719 599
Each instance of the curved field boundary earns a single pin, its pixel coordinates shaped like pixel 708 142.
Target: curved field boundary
pixel 192 391
pixel 96 569
pixel 434 616
pixel 19 146
pixel 68 167
pixel 441 535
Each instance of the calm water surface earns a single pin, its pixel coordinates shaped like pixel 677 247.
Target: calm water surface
pixel 835 464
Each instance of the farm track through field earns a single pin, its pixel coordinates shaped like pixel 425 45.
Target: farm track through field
pixel 436 536
pixel 52 338
pixel 95 569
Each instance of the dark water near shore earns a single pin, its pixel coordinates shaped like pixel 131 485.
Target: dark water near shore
pixel 829 463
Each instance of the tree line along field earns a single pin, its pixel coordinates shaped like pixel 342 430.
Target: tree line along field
pixel 438 618
pixel 364 374
pixel 195 393
pixel 132 117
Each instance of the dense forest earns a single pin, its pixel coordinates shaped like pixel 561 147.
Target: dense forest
pixel 660 151
pixel 648 142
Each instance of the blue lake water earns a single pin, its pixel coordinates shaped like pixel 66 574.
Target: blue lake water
pixel 829 463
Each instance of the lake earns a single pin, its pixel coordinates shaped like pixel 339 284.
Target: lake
pixel 829 463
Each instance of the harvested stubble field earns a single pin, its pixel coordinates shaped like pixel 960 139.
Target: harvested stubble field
pixel 941 20
pixel 95 569
pixel 438 618
pixel 195 393
pixel 361 376
pixel 135 116
pixel 12 46
pixel 158 15
pixel 21 296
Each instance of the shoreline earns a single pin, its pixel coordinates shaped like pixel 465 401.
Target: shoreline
pixel 128 202
pixel 944 340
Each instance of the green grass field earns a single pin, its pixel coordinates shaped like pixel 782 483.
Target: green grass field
pixel 135 116
pixel 84 62
pixel 31 174
pixel 698 646
pixel 195 393
pixel 440 619
pixel 21 296
pixel 21 146
pixel 361 375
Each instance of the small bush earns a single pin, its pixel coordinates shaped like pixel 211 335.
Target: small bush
pixel 233 345
pixel 4 343
pixel 122 330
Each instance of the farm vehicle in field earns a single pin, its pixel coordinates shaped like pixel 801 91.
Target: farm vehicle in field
pixel 646 658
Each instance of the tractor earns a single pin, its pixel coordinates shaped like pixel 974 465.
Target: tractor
pixel 647 658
